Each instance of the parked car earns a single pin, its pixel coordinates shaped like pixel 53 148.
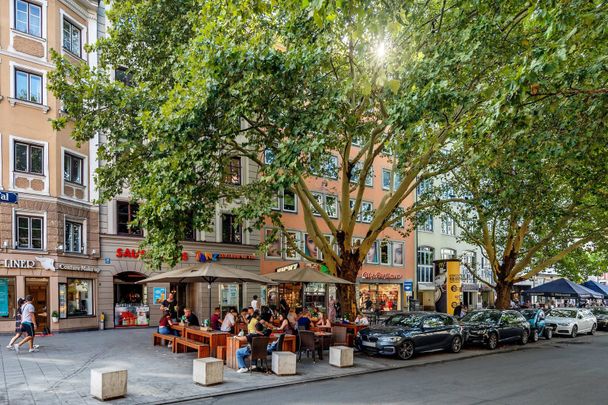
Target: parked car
pixel 601 314
pixel 538 327
pixel 571 321
pixel 493 326
pixel 408 333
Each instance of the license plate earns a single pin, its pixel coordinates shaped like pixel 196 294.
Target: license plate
pixel 370 344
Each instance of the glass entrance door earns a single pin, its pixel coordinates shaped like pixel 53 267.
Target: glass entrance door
pixel 38 288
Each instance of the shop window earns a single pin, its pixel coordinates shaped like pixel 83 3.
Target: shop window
pixel 290 203
pixel 274 249
pixel 426 255
pixel 383 297
pixel 29 158
pixel 290 252
pixel 127 213
pixel 71 38
pixel 398 253
pixel 231 230
pixel 8 300
pixel 372 254
pixel 73 237
pixel 28 18
pixel 72 168
pixel 385 253
pixel 79 297
pixel 29 232
pixel 233 171
pixel 28 86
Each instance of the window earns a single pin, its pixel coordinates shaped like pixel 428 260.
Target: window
pixel 386 179
pixel 398 215
pixel 331 206
pixel 385 253
pixel 71 38
pixel 274 247
pixel 434 321
pixel 29 158
pixel 357 141
pixel 29 232
pixel 367 212
pixel 372 254
pixel 448 253
pixel 233 171
pixel 290 203
pixel 80 297
pixel 28 18
pixel 447 226
pixel 427 224
pixel 426 255
pixel 189 231
pixel 268 156
pixel 397 181
pixel 424 186
pixel 73 237
pixel 231 230
pixel 7 292
pixel 290 252
pixel 122 75
pixel 398 253
pixel 127 212
pixel 28 86
pixel 356 172
pixel 72 168
pixel 330 167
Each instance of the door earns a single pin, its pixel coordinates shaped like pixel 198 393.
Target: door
pixel 508 326
pixel 38 288
pixel 433 331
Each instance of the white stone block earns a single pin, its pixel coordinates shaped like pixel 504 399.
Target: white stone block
pixel 208 371
pixel 284 363
pixel 341 356
pixel 109 382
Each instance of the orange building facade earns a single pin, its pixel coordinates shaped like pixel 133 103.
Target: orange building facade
pixel 384 279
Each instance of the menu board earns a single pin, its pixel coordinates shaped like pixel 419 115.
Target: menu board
pixel 3 297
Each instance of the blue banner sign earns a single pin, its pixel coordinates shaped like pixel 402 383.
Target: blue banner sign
pixel 8 197
pixel 408 286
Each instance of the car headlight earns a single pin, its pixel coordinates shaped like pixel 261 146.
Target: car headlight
pixel 389 339
pixel 565 323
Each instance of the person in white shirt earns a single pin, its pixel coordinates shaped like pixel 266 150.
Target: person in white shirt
pixel 229 321
pixel 255 304
pixel 28 324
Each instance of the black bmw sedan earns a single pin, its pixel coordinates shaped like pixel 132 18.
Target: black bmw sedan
pixel 411 332
pixel 601 314
pixel 493 326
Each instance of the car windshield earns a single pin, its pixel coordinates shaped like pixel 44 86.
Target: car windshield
pixel 600 311
pixel 482 317
pixel 529 313
pixel 563 313
pixel 407 320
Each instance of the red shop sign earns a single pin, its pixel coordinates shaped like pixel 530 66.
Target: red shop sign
pixel 383 276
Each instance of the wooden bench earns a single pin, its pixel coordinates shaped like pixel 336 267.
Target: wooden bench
pixel 201 348
pixel 221 353
pixel 157 338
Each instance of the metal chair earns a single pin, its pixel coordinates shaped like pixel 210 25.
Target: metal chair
pixel 259 351
pixel 307 344
pixel 339 336
pixel 280 342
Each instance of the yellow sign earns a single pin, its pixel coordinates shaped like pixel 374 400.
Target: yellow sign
pixel 453 286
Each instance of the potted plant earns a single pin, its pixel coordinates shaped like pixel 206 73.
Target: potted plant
pixel 55 316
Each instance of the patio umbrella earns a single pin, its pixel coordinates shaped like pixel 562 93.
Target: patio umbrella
pixel 597 287
pixel 209 272
pixel 306 275
pixel 562 288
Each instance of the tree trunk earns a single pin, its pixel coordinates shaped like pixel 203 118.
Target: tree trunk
pixel 503 294
pixel 346 292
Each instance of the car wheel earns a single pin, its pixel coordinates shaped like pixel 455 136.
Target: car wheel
pixel 492 341
pixel 534 338
pixel 525 336
pixel 593 329
pixel 406 350
pixel 574 331
pixel 548 333
pixel 456 345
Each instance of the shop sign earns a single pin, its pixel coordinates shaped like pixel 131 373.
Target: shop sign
pixel 78 267
pixel 380 276
pixel 214 257
pixel 9 197
pixel 408 286
pixel 130 253
pixel 289 267
pixel 18 263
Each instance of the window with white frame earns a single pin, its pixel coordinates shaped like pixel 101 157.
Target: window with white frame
pixel 319 198
pixel 290 202
pixel 447 226
pixel 356 172
pixel 273 241
pixel 447 253
pixel 356 243
pixel 425 186
pixel 386 179
pixel 427 224
pixel 329 168
pixel 398 216
pixel 29 232
pixel 367 212
pixel 290 239
pixel 351 203
pixel 426 255
pixel 72 168
pixel 268 156
pixel 71 38
pixel 28 158
pixel 28 18
pixel 372 254
pixel 385 253
pixel 73 237
pixel 398 253
pixel 28 86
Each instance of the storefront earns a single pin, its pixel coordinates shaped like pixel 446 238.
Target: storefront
pixel 130 300
pixel 381 290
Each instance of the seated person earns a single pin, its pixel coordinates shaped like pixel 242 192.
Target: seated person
pixel 216 319
pixel 250 312
pixel 244 352
pixel 164 325
pixel 189 318
pixel 253 321
pixel 361 320
pixel 304 320
pixel 266 314
pixel 285 325
pixel 229 321
pixel 323 322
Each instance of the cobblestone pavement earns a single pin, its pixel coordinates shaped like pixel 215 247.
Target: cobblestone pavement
pixel 60 372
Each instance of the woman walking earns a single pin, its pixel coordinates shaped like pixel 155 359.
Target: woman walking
pixel 18 331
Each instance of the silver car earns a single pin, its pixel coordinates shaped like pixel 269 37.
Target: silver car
pixel 571 321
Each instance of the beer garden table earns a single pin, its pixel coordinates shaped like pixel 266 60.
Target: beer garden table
pixel 213 338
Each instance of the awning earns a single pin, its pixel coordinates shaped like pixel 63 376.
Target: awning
pixel 563 288
pixel 597 287
pixel 426 286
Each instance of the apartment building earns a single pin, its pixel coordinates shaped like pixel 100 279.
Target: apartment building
pixel 49 227
pixel 390 264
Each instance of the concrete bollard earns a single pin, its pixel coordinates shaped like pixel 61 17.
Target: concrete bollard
pixel 109 382
pixel 284 363
pixel 341 356
pixel 208 371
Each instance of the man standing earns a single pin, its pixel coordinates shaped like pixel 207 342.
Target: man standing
pixel 28 324
pixel 255 304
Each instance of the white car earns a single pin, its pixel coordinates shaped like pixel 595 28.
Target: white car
pixel 571 321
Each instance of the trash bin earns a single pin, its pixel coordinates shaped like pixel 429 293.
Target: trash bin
pixel 102 321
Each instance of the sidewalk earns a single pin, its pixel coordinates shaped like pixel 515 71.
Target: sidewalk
pixel 60 372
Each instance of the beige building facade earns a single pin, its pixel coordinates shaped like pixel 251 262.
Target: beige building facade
pixel 49 238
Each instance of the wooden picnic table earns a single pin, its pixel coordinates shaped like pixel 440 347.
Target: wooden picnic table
pixel 233 344
pixel 179 328
pixel 213 338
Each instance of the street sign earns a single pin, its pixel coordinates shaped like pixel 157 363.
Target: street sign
pixel 8 197
pixel 408 286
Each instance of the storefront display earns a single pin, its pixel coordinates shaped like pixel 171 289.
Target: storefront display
pixel 382 297
pixel 229 294
pixel 130 298
pixel 314 296
pixel 291 293
pixel 130 315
